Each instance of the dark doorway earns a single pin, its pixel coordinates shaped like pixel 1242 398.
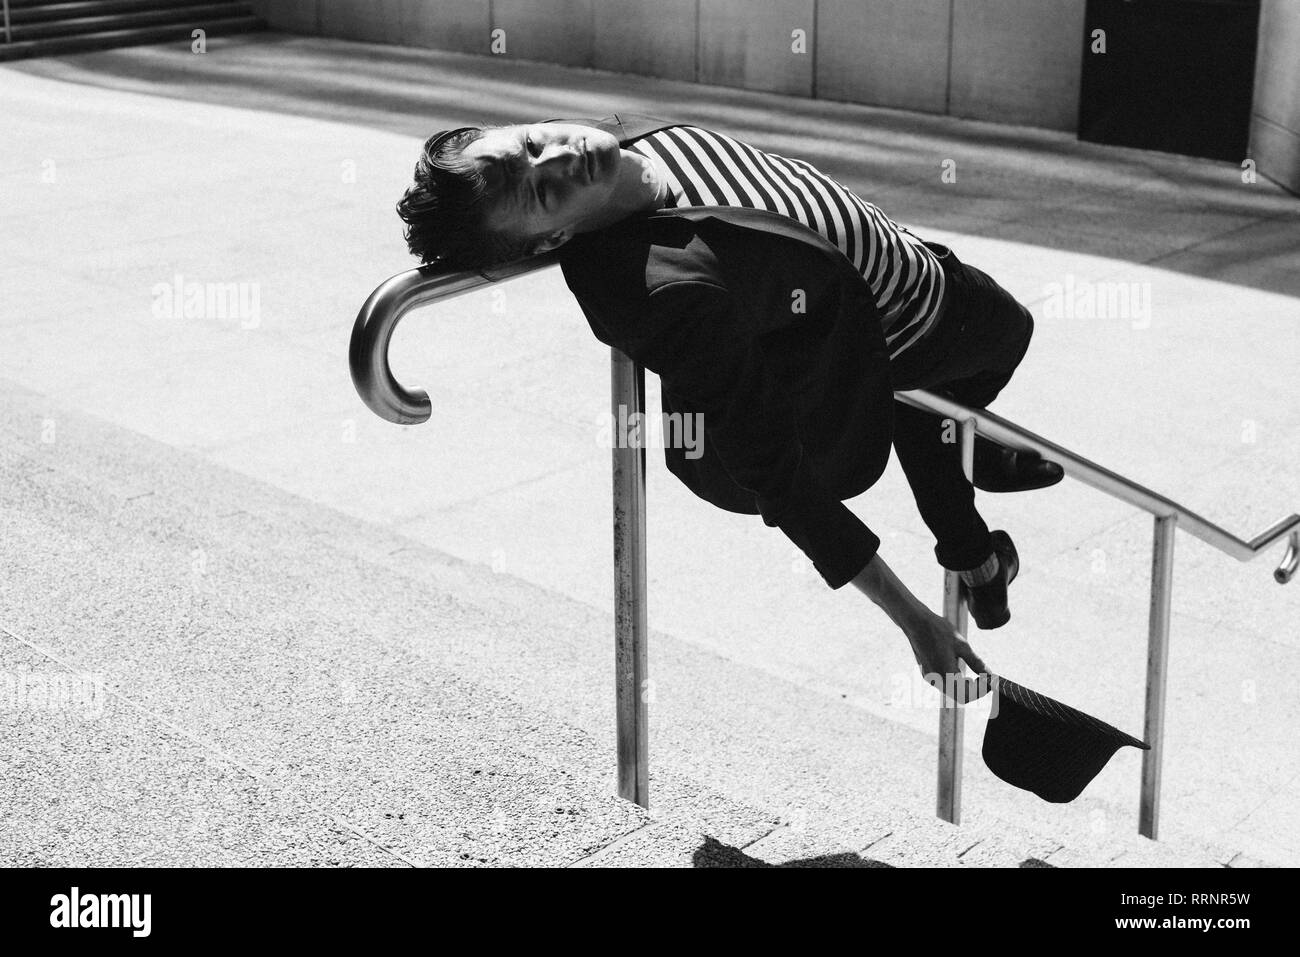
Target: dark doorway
pixel 1177 75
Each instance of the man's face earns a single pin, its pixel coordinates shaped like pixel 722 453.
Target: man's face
pixel 546 179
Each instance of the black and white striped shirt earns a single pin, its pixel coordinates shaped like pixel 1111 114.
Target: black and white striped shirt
pixel 704 168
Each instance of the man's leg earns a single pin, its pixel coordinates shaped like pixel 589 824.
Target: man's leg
pixel 984 337
pixel 945 499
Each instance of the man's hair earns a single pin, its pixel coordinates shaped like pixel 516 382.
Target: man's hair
pixel 446 209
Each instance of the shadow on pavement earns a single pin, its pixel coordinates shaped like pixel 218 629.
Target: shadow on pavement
pixel 713 853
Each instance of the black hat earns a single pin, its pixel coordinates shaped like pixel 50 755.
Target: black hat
pixel 1046 747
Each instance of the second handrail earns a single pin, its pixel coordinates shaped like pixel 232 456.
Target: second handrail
pixel 1117 486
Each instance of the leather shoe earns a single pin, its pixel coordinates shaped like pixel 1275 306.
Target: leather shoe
pixel 987 603
pixel 998 468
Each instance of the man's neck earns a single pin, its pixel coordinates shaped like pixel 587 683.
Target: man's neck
pixel 640 189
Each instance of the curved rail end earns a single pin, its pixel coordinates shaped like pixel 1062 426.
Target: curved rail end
pixel 1286 570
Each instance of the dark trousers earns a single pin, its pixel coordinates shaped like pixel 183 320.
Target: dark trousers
pixel 967 356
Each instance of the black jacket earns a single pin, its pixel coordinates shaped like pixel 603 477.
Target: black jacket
pixel 766 328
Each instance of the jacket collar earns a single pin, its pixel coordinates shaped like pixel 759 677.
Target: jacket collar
pixel 624 126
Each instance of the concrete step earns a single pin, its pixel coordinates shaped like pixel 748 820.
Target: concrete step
pixel 44 12
pixel 436 712
pixel 175 31
pixel 164 15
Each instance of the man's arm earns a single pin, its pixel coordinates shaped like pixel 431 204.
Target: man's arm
pixel 935 643
pixel 691 337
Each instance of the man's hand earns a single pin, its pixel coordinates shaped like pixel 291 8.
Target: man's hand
pixel 937 647
pixel 935 643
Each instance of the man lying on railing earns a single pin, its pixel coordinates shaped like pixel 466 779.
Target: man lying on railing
pixel 781 306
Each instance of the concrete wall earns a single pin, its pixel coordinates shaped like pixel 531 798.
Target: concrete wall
pixel 378 20
pixel 885 52
pixel 1275 117
pixel 1018 61
pixel 557 31
pixel 459 25
pixel 654 39
pixel 1014 61
pixel 757 44
pixel 296 16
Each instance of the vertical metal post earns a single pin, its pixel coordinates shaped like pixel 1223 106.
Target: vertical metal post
pixel 951 718
pixel 1162 580
pixel 9 37
pixel 627 395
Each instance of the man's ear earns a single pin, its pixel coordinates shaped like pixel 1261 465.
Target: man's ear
pixel 551 241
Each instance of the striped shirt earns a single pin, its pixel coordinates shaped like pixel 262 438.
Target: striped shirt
pixel 704 168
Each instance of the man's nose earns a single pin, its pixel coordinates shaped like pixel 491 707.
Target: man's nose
pixel 560 156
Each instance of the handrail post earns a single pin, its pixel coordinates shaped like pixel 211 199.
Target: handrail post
pixel 1162 578
pixel 9 36
pixel 951 717
pixel 627 395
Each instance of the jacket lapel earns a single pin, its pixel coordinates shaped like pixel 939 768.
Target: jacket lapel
pixel 763 220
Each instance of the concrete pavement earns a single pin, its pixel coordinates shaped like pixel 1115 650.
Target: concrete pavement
pixel 252 679
pixel 275 162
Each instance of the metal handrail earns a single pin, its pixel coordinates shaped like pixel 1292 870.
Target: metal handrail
pixel 1117 486
pixel 390 400
pixel 385 307
pixel 1169 516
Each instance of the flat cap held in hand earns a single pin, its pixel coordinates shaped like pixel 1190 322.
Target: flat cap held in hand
pixel 1046 747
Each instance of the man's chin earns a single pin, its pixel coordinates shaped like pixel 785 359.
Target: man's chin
pixel 601 140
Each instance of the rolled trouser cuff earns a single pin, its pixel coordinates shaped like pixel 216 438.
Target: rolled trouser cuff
pixel 972 552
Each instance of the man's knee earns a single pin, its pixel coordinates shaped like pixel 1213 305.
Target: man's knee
pixel 1026 335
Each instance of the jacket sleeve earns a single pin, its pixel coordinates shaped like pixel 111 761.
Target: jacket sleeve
pixel 692 338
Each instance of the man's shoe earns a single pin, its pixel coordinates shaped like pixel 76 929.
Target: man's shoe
pixel 1001 469
pixel 987 603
